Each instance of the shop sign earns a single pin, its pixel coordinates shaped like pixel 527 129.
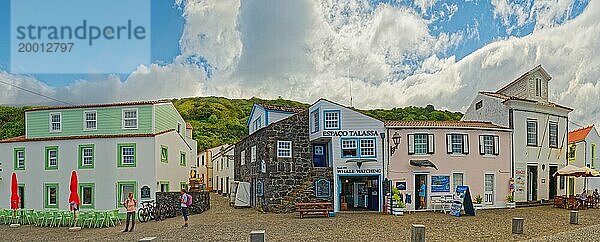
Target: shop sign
pixel 346 170
pixel 352 133
pixel 440 183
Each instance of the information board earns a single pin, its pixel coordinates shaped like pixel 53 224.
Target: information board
pixel 440 183
pixel 462 199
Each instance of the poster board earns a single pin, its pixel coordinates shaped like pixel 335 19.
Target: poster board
pixel 462 199
pixel 440 183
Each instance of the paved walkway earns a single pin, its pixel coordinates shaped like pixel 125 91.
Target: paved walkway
pixel 224 223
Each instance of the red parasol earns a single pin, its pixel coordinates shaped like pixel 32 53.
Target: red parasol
pixel 74 197
pixel 14 197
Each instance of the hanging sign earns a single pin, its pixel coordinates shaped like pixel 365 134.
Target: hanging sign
pixel 462 198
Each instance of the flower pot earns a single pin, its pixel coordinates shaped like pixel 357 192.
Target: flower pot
pixel 398 211
pixel 511 205
pixel 478 206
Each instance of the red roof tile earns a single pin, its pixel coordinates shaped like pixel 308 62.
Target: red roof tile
pixel 470 124
pixel 23 139
pixel 282 108
pixel 101 105
pixel 506 98
pixel 188 125
pixel 579 134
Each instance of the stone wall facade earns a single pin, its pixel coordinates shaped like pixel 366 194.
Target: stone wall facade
pixel 277 183
pixel 200 201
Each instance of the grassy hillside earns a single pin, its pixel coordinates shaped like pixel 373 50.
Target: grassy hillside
pixel 218 120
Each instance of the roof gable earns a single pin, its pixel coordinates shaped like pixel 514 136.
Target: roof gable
pixel 579 134
pixel 538 68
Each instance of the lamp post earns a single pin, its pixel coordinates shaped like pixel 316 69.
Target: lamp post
pixel 396 139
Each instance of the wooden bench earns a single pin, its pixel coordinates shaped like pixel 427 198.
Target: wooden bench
pixel 314 209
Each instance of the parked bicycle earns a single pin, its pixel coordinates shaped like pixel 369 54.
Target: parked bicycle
pixel 147 211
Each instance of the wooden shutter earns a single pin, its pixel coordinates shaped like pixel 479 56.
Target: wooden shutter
pixel 496 145
pixel 411 144
pixel 465 144
pixel 449 143
pixel 481 145
pixel 430 146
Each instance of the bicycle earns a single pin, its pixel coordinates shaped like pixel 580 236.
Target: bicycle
pixel 147 211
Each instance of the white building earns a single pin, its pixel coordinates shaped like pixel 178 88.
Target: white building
pixel 583 151
pixel 223 169
pixel 139 147
pixel 539 127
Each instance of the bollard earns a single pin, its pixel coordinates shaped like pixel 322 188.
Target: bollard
pixel 147 239
pixel 417 233
pixel 517 225
pixel 257 236
pixel 574 218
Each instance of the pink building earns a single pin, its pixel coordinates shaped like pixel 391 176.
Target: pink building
pixel 443 155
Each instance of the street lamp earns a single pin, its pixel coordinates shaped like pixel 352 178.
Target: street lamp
pixel 396 139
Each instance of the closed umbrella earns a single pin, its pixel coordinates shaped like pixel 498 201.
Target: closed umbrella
pixel 74 196
pixel 14 196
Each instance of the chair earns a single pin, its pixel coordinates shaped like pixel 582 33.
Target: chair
pixel 3 216
pixel 114 217
pixel 100 219
pixel 15 216
pixel 558 201
pixel 571 202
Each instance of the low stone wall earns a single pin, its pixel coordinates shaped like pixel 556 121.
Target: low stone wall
pixel 200 201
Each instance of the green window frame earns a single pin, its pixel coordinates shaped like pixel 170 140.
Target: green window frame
pixel 82 155
pixel 166 183
pixel 593 154
pixel 91 186
pixel 164 154
pixel 47 197
pixel 183 185
pixel 119 190
pixel 49 149
pixel 121 156
pixel 17 158
pixel 182 158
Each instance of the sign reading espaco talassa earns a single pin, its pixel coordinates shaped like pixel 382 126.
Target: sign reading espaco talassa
pixel 357 133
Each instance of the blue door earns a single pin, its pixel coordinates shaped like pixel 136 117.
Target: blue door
pixel 319 158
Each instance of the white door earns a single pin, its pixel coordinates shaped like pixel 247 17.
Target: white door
pixel 359 200
pixel 489 189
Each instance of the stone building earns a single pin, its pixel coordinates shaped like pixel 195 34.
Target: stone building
pixel 276 161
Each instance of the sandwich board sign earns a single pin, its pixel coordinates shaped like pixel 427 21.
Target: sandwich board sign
pixel 462 199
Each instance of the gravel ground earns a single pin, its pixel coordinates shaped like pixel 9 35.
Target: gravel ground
pixel 222 223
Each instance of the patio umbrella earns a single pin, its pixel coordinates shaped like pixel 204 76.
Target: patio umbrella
pixel 569 170
pixel 14 196
pixel 587 172
pixel 74 201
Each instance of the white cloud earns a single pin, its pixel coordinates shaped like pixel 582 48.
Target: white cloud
pixel 543 13
pixel 304 50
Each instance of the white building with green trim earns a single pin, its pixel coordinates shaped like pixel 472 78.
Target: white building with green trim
pixel 142 147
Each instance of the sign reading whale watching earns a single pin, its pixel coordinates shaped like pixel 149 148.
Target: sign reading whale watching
pixel 353 133
pixel 346 170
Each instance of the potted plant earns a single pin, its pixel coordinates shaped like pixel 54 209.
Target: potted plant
pixel 398 206
pixel 478 202
pixel 510 201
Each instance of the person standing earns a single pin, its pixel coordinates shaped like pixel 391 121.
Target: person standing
pixel 422 194
pixel 186 201
pixel 130 204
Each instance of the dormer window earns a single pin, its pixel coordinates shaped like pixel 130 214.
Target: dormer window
pixel 332 119
pixel 130 118
pixel 538 87
pixel 479 105
pixel 55 122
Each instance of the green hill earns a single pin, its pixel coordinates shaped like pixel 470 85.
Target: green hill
pixel 218 120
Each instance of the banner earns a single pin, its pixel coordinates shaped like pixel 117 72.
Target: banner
pixel 462 198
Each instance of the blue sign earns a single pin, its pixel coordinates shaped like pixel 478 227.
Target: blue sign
pixel 440 183
pixel 401 186
pixel 462 198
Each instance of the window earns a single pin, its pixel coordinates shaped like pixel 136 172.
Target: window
pixel 164 186
pixel 349 148
pixel 178 127
pixel 55 122
pixel 367 147
pixel 593 153
pixel 259 188
pixel 420 144
pixel 284 148
pixel 123 190
pixel 457 143
pixel 86 156
pixel 479 105
pixel 553 135
pixel 51 195
pixel 19 159
pixel 127 155
pixel 145 192
pixel 332 119
pixel 314 117
pixel 243 157
pixel 86 193
pixel 90 120
pixel 130 118
pixel 489 145
pixel 164 154
pixel 571 154
pixel 183 185
pixel 538 87
pixel 253 154
pixel 51 157
pixel 457 180
pixel 257 124
pixel 182 158
pixel 531 133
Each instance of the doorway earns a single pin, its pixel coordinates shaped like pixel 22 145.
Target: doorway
pixel 532 177
pixel 489 189
pixel 420 191
pixel 553 182
pixel 319 155
pixel 359 193
pixel 21 192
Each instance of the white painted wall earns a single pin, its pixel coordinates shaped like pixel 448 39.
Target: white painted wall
pixel 492 110
pixel 223 169
pixel 172 171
